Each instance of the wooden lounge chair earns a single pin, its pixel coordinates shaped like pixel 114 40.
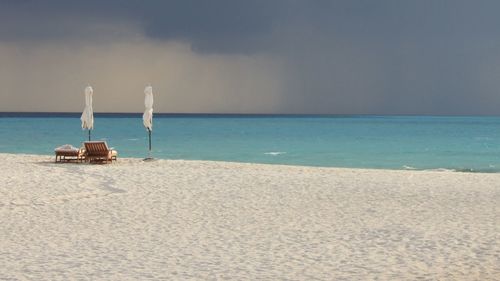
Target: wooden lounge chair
pixel 98 151
pixel 68 153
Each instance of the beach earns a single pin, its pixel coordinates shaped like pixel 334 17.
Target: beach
pixel 207 220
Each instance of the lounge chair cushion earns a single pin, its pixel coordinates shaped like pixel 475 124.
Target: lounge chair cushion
pixel 67 148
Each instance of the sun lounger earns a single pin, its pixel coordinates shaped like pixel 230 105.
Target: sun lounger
pixel 98 152
pixel 68 153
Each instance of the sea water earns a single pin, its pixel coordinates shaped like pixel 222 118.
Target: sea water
pixel 389 142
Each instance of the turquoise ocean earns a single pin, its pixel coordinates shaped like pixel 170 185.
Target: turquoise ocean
pixel 389 142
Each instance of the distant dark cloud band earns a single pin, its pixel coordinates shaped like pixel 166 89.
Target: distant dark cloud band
pixel 350 56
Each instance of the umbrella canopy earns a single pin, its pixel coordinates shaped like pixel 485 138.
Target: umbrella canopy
pixel 147 117
pixel 88 113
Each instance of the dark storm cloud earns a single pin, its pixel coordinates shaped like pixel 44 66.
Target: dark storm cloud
pixel 352 56
pixel 231 24
pixel 212 26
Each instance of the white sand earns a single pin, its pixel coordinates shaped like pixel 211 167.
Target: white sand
pixel 212 220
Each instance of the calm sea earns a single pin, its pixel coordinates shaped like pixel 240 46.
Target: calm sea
pixel 394 142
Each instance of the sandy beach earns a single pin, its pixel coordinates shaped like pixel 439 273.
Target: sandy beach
pixel 182 220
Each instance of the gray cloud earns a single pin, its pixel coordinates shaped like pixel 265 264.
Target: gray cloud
pixel 374 57
pixel 211 26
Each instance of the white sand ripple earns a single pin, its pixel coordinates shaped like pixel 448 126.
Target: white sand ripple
pixel 184 220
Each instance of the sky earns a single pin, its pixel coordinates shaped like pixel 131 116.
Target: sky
pixel 432 57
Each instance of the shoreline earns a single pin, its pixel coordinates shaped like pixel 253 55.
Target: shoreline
pixel 177 219
pixel 410 169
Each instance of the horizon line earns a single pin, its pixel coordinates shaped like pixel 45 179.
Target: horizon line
pixel 76 113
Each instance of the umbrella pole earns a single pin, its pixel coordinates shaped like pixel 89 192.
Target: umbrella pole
pixel 149 158
pixel 89 134
pixel 149 131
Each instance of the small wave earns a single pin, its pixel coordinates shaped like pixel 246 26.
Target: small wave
pixel 441 170
pixel 459 170
pixel 466 170
pixel 274 153
pixel 409 167
pixel 132 139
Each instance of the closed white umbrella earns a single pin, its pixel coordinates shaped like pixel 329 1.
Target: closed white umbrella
pixel 147 117
pixel 88 113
